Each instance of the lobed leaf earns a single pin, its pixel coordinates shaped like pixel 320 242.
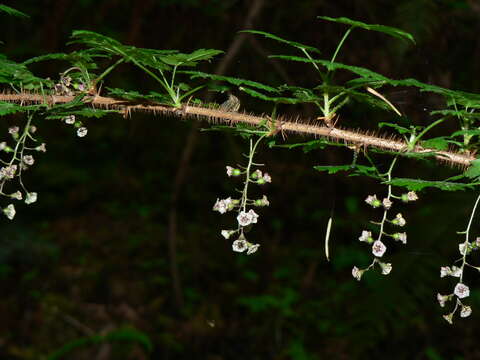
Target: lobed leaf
pixel 389 30
pixel 279 39
pixel 13 12
pixel 417 185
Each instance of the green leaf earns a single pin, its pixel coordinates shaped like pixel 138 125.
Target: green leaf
pixel 400 129
pixel 230 80
pixel 279 100
pixel 355 169
pixel 87 112
pixel 438 143
pixel 189 59
pixel 466 132
pixel 279 39
pixel 11 11
pixel 11 108
pixel 473 172
pixel 392 31
pixel 417 185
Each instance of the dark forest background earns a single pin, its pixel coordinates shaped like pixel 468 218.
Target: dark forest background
pixel 122 258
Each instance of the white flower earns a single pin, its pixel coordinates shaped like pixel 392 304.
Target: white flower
pixel 3 145
pixel 399 220
pixel 400 237
pixel 82 131
pixel 366 236
pixel 412 196
pixel 357 273
pixel 245 219
pixel 257 174
pixel 32 129
pixel 28 159
pixel 70 119
pixel 466 311
pixel 386 268
pixel 444 271
pixel 267 178
pixel 463 248
pixel 387 204
pixel 252 248
pixel 373 201
pixel 31 198
pixel 262 202
pixel 449 318
pixel 227 233
pixel 378 248
pixel 461 290
pixel 8 171
pixel 9 211
pixel 456 271
pixel 16 195
pixel 41 148
pixel 230 170
pixel 442 299
pixel 222 206
pixel 239 245
pixel 13 130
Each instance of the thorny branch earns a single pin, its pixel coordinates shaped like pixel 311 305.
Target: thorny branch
pixel 299 125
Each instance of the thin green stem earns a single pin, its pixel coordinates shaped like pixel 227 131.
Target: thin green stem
pixel 340 44
pixel 389 176
pixel 467 234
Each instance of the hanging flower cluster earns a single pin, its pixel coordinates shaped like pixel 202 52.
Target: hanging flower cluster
pixel 246 215
pixel 461 290
pixel 17 159
pixel 378 247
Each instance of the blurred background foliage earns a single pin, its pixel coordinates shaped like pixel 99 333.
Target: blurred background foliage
pixel 86 272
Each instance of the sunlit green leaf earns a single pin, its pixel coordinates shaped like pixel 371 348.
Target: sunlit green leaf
pixel 11 11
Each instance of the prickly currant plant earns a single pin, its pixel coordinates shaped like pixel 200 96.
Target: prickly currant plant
pixel 244 206
pixel 461 290
pixel 398 221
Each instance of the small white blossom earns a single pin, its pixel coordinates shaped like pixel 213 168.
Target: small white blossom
pixel 41 148
pixel 227 233
pixel 82 131
pixel 386 268
pixel 32 129
pixel 449 318
pixel 400 237
pixel 464 248
pixel 252 248
pixel 366 236
pixel 466 311
pixel 461 290
pixel 373 201
pixel 247 218
pixel 456 271
pixel 13 130
pixel 357 273
pixel 399 220
pixel 31 198
pixel 222 206
pixel 442 299
pixel 28 159
pixel 9 211
pixel 412 196
pixel 257 174
pixel 70 119
pixel 444 271
pixel 387 203
pixel 378 248
pixel 3 145
pixel 16 195
pixel 262 202
pixel 8 171
pixel 239 245
pixel 477 241
pixel 232 171
pixel 267 178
